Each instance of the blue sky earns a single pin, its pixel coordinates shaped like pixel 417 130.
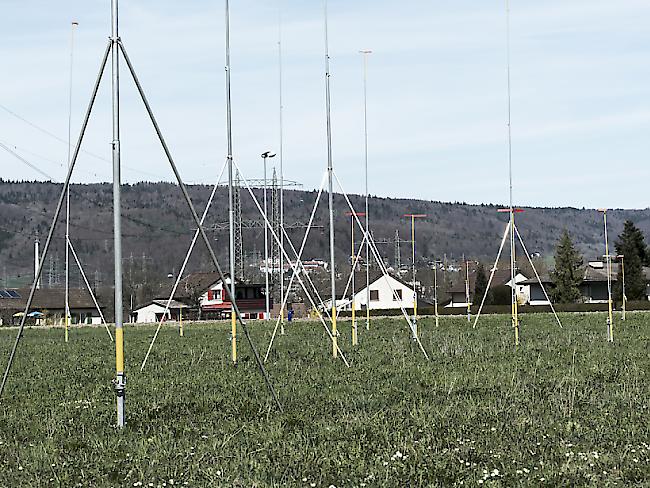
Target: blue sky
pixel 437 94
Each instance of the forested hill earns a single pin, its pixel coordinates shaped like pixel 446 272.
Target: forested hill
pixel 157 227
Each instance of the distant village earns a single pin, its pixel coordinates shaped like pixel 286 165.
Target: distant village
pixel 453 286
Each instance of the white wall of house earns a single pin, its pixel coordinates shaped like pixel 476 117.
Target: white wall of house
pixel 77 316
pixel 147 314
pixel 381 295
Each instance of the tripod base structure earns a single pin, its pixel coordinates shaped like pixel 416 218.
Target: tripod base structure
pixel 115 47
pixel 512 230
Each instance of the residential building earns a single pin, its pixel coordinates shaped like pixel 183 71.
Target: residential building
pixel 50 302
pixel 502 277
pixel 387 292
pixel 593 287
pixel 203 295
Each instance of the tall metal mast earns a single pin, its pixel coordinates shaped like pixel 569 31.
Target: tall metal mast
pixel 330 183
pixel 513 258
pixel 280 155
pixel 365 54
pixel 120 384
pixel 67 195
pixel 231 216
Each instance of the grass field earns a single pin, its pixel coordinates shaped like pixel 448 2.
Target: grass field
pixel 563 409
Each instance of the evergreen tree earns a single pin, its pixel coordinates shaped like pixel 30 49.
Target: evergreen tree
pixel 480 285
pixel 631 245
pixel 567 275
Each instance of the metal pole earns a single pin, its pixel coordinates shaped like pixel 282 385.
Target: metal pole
pixel 610 318
pixel 355 336
pixel 280 153
pixel 435 292
pixel 415 292
pixel 330 185
pixel 120 380
pixel 365 54
pixel 67 195
pixel 467 297
pixel 513 259
pixel 266 244
pixel 231 214
pixel 37 262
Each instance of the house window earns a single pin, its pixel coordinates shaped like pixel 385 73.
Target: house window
pixel 374 295
pixel 398 295
pixel 214 294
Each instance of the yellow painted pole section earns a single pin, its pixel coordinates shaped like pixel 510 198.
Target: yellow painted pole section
pixel 515 311
pixel 66 325
pixel 435 292
pixel 233 327
pixel 119 350
pixel 335 346
pixel 469 305
pixel 355 339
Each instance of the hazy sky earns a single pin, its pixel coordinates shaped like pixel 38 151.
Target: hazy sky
pixel 437 94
